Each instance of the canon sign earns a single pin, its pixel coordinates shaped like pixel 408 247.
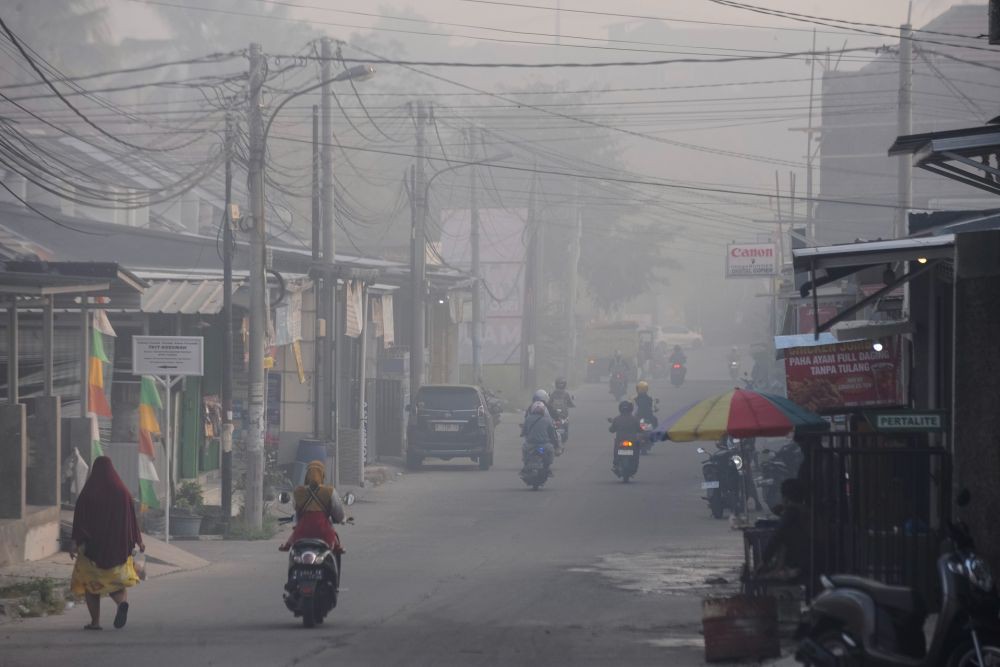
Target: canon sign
pixel 751 260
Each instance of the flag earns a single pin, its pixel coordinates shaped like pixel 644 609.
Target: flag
pixel 97 400
pixel 149 404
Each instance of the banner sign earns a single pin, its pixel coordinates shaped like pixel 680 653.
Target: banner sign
pixel 751 260
pixel 828 378
pixel 168 355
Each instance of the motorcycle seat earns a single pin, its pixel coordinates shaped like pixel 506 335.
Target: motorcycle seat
pixel 897 598
pixel 310 544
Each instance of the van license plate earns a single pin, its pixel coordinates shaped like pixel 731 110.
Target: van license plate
pixel 453 428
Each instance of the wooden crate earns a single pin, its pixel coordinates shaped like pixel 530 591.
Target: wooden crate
pixel 740 627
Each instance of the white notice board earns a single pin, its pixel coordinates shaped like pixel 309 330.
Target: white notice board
pixel 168 355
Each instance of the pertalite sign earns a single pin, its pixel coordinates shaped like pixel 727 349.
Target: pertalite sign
pixel 751 260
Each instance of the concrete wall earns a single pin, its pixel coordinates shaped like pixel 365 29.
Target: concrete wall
pixel 32 538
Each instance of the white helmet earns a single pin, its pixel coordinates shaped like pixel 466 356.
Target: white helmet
pixel 541 395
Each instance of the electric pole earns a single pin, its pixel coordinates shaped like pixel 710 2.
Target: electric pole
pixel 529 344
pixel 331 367
pixel 319 282
pixel 227 332
pixel 477 288
pixel 905 122
pixel 258 315
pixel 572 268
pixel 418 265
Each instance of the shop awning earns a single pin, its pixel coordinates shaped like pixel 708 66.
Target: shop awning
pixel 966 155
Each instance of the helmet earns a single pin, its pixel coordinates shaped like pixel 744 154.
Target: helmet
pixel 560 383
pixel 642 387
pixel 537 408
pixel 541 395
pixel 625 407
pixel 677 348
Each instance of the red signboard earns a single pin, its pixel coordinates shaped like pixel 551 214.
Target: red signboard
pixel 807 320
pixel 827 378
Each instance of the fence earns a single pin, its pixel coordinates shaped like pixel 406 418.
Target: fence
pixel 879 508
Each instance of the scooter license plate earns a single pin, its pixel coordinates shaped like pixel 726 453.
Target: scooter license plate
pixel 535 465
pixel 709 485
pixel 308 575
pixel 626 452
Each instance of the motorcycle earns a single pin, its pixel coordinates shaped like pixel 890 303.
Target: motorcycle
pixel 775 468
pixel 560 420
pixel 626 460
pixel 723 473
pixel 677 373
pixel 857 621
pixel 536 467
pixel 495 404
pixel 617 385
pixel 734 370
pixel 313 574
pixel 645 439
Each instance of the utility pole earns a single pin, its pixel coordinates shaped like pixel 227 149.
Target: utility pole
pixel 258 315
pixel 905 127
pixel 572 268
pixel 319 283
pixel 477 289
pixel 810 224
pixel 418 245
pixel 331 368
pixel 227 333
pixel 533 284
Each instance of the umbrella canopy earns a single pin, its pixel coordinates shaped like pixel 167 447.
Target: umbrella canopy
pixel 740 413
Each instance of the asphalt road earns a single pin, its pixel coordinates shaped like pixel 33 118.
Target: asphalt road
pixel 454 566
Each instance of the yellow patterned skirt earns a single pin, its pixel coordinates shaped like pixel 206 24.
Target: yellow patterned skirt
pixel 88 578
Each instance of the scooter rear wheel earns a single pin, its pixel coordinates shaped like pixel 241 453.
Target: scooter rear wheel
pixel 833 641
pixel 965 655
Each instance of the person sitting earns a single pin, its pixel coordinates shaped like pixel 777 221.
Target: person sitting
pixel 644 403
pixel 677 356
pixel 316 506
pixel 560 399
pixel 625 427
pixel 786 555
pixel 538 431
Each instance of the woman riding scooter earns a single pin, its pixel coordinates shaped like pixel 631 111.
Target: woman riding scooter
pixel 316 506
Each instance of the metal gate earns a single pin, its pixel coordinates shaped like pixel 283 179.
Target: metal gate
pixel 879 508
pixel 386 399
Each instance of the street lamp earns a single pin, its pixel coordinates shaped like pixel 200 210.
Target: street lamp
pixel 418 267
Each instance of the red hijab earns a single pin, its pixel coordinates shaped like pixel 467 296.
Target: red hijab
pixel 104 518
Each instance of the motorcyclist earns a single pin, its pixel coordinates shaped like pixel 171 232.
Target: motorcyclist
pixel 618 364
pixel 677 356
pixel 644 403
pixel 625 427
pixel 540 396
pixel 734 355
pixel 316 506
pixel 560 398
pixel 538 431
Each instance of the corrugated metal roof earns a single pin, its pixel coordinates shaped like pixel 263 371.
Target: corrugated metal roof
pixel 187 297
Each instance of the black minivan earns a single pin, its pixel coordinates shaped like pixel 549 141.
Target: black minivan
pixel 449 421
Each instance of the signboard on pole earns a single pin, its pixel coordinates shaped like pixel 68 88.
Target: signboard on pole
pixel 908 421
pixel 751 260
pixel 168 355
pixel 854 374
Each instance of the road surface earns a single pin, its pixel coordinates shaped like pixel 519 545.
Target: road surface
pixel 454 566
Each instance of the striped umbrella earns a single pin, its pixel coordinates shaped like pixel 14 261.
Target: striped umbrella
pixel 739 413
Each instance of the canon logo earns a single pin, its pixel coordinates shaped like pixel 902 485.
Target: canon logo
pixel 738 251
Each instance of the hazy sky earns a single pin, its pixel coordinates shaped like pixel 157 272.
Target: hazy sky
pixel 131 17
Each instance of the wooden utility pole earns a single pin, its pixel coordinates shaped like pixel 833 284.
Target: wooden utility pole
pixel 227 332
pixel 418 259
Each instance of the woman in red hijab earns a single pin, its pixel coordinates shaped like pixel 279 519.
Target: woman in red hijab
pixel 105 531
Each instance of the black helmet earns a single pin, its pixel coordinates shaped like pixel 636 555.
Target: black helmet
pixel 625 407
pixel 560 383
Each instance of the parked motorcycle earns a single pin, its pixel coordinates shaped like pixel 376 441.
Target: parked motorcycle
pixel 677 373
pixel 313 574
pixel 723 473
pixel 857 621
pixel 536 468
pixel 617 385
pixel 774 468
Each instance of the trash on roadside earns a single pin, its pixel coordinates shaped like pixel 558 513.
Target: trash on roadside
pixel 740 627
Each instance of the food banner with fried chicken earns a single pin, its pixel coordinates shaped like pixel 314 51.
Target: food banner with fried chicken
pixel 828 378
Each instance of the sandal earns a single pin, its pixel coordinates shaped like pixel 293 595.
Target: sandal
pixel 91 626
pixel 122 616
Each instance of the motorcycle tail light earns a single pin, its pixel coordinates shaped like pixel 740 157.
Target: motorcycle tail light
pixel 677 365
pixel 308 557
pixel 626 443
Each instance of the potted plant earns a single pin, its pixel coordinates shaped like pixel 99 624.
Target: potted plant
pixel 186 510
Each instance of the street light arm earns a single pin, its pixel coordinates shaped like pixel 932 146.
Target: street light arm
pixel 343 76
pixel 487 160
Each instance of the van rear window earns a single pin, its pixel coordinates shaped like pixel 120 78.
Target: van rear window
pixel 448 398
